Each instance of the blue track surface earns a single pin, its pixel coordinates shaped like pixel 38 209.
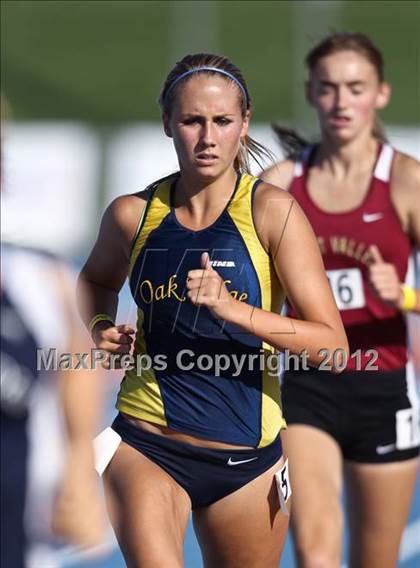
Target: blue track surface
pixel 193 558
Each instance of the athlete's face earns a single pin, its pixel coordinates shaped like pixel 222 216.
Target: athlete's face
pixel 206 124
pixel 345 91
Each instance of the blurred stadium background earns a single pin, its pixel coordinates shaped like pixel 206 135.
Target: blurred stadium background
pixel 82 79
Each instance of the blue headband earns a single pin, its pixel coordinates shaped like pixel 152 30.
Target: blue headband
pixel 215 70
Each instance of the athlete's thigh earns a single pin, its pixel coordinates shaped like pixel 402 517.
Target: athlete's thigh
pixel 245 529
pixel 379 497
pixel 315 465
pixel 148 509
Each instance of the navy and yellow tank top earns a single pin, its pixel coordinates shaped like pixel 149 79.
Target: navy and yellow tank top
pixel 189 375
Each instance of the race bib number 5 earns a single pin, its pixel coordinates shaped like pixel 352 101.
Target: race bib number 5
pixel 347 287
pixel 284 488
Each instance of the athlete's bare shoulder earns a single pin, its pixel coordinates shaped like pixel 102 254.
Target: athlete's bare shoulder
pixel 125 211
pixel 406 170
pixel 268 191
pixel 281 174
pixel 271 209
pixel 405 191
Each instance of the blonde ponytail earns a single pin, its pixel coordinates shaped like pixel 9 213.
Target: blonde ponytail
pixel 250 148
pixel 378 130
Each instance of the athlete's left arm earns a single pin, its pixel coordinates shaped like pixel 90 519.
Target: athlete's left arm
pixel 288 237
pixel 405 194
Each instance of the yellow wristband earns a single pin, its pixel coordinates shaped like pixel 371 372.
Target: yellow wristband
pixel 96 319
pixel 409 298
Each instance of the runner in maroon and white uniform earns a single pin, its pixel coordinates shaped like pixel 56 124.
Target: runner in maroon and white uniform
pixel 363 201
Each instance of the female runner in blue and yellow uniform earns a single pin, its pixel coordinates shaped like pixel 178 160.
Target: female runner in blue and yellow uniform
pixel 211 253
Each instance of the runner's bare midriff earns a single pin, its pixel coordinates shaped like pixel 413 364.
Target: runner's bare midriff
pixel 181 437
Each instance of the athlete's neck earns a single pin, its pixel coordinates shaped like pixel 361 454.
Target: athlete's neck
pixel 355 156
pixel 200 197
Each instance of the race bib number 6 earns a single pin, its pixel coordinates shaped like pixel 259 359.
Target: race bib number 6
pixel 347 287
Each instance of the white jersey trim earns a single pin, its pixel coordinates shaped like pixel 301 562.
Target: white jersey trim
pixel 383 166
pixel 412 393
pixel 297 169
pixel 298 165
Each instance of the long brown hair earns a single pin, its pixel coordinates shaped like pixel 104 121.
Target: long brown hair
pixel 249 148
pixel 291 142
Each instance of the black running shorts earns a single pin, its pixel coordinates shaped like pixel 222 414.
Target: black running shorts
pixel 373 416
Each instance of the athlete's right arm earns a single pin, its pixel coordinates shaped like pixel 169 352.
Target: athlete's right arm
pixel 77 512
pixel 281 174
pixel 106 269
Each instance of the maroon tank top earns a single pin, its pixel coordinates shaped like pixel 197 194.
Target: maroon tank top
pixel 344 239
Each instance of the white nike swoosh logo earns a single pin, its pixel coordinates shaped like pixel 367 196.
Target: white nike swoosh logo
pixel 385 449
pixel 370 217
pixel 230 462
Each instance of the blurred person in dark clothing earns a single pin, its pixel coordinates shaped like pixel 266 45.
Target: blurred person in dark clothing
pixel 49 493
